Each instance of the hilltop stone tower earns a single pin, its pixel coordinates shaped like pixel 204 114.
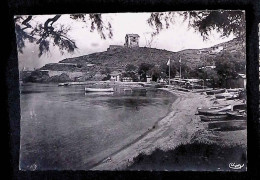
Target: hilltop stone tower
pixel 131 40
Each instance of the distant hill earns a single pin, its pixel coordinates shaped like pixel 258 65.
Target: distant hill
pixel 118 58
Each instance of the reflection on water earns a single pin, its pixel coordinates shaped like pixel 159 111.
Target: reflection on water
pixel 66 128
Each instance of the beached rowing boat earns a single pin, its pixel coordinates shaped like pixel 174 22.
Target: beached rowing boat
pixel 211 108
pixel 235 96
pixel 239 107
pixel 139 89
pixel 217 91
pixel 226 95
pixel 235 115
pixel 235 90
pixel 99 89
pixel 227 125
pixel 215 111
pixel 213 118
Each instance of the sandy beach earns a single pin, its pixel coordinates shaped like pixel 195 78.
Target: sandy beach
pixel 180 126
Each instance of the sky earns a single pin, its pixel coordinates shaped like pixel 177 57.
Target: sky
pixel 175 38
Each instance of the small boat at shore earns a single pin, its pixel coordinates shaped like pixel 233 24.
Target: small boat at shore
pixel 214 111
pixel 99 89
pixel 211 108
pixel 235 96
pixel 235 90
pixel 213 118
pixel 216 91
pixel 236 115
pixel 202 90
pixel 226 95
pixel 227 125
pixel 239 107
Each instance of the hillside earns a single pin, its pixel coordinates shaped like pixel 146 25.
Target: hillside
pixel 117 58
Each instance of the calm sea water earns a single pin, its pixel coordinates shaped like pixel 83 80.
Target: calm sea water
pixel 65 128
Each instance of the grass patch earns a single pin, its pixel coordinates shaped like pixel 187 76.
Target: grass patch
pixel 192 157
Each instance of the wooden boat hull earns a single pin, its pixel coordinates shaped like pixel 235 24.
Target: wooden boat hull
pixel 239 107
pixel 225 95
pixel 228 125
pixel 215 112
pixel 212 108
pixel 234 90
pixel 139 90
pixel 218 91
pixel 213 118
pixel 99 90
pixel 236 115
pixel 232 97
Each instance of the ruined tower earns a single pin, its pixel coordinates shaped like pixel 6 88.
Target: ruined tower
pixel 132 40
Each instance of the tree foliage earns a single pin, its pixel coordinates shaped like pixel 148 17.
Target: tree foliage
pixel 130 67
pixel 132 75
pixel 143 70
pixel 224 22
pixel 106 71
pixel 52 32
pixel 228 66
pixel 165 70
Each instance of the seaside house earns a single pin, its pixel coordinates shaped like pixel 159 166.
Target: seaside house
pixel 161 80
pixel 127 79
pixel 239 82
pixel 115 76
pixel 242 80
pixel 148 78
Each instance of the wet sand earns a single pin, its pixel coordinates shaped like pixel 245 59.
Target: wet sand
pixel 180 126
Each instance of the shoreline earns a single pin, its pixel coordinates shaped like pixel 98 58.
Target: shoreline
pixel 176 101
pixel 123 158
pixel 180 126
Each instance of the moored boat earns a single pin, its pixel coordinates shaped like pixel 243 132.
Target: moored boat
pixel 99 89
pixel 63 84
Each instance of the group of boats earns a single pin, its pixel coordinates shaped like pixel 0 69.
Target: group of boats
pixel 227 112
pixel 224 117
pixel 227 94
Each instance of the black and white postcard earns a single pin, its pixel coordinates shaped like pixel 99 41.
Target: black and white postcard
pixel 161 91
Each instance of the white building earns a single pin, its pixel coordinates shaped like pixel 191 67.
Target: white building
pixel 115 76
pixel 127 79
pixel 148 79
